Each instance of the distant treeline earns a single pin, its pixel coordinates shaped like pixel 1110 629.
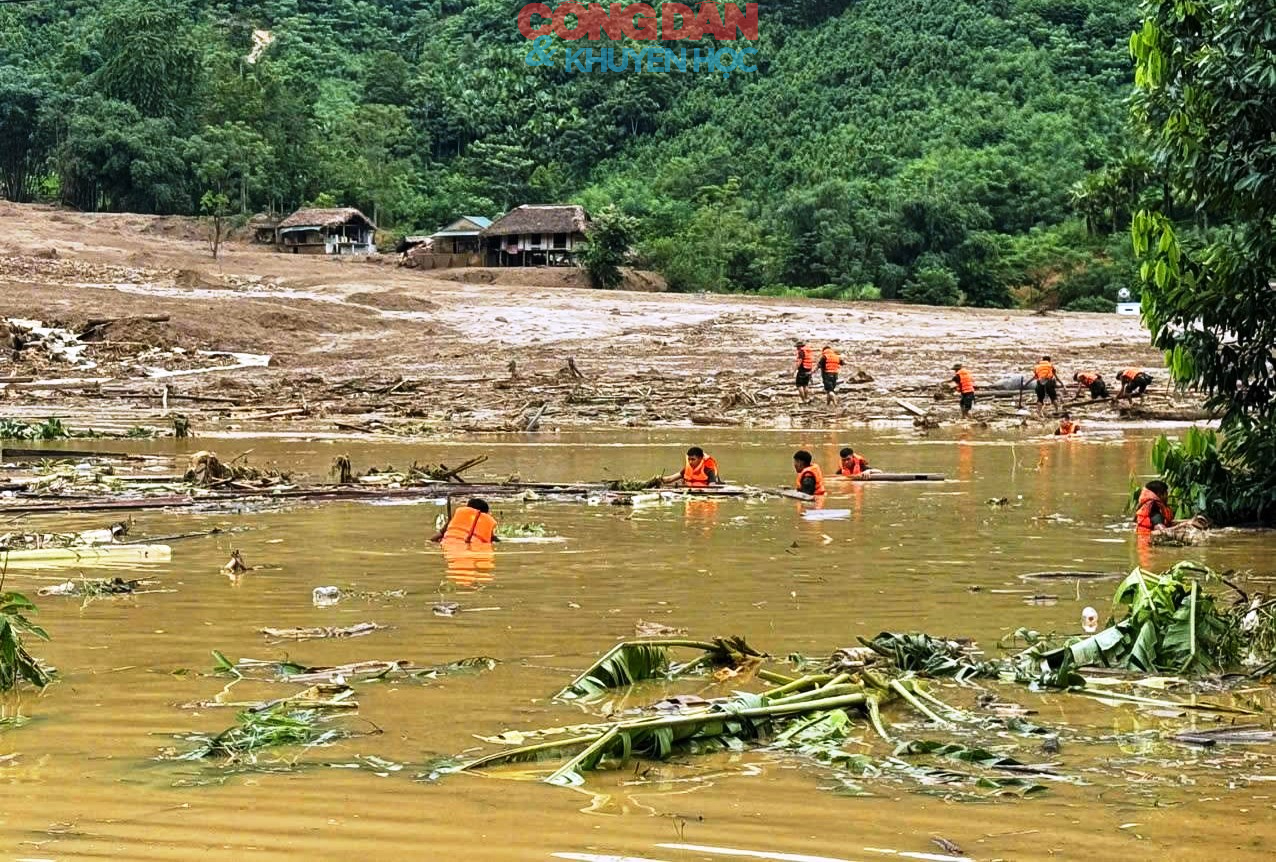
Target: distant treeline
pixel 969 152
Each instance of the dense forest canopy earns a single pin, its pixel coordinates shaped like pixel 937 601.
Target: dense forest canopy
pixel 955 152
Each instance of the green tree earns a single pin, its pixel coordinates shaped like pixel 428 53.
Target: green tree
pixel 230 158
pixel 611 234
pixel 216 208
pixel 1205 83
pixel 151 57
pixel 22 146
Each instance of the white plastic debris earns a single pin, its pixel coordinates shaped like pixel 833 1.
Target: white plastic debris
pixel 1090 620
pixel 325 596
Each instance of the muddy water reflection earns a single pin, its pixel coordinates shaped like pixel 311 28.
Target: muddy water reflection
pixel 83 781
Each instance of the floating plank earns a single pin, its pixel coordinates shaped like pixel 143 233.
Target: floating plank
pixel 87 555
pixel 13 453
pixel 898 477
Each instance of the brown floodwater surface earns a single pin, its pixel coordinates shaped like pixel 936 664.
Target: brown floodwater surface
pixel 84 779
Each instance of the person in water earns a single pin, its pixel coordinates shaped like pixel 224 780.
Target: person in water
pixel 700 471
pixel 472 524
pixel 852 464
pixel 1066 426
pixel 1153 511
pixel 810 479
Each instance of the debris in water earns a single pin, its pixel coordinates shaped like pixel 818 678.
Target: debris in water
pixel 646 629
pixel 95 587
pixel 235 565
pixel 445 609
pixel 323 597
pixel 316 632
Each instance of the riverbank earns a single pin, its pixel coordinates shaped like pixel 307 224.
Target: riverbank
pixel 364 346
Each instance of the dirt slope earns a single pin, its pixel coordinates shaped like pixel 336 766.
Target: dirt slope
pixel 647 357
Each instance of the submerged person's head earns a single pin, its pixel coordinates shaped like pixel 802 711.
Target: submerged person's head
pixel 801 460
pixel 480 505
pixel 846 453
pixel 1159 488
pixel 694 456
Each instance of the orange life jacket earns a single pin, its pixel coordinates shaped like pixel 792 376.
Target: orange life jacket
pixel 813 470
pixel 698 477
pixel 1129 374
pixel 965 383
pixel 470 526
pixel 1067 427
pixel 1085 378
pixel 1149 503
pixel 806 358
pixel 1043 371
pixel 832 361
pixel 857 466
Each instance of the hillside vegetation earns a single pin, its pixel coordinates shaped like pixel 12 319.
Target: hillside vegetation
pixel 944 153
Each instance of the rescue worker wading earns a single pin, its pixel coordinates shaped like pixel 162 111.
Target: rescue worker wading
pixel 830 365
pixel 1066 426
pixel 810 479
pixel 965 389
pixel 852 464
pixel 701 471
pixel 1047 384
pixel 1153 511
pixel 470 525
pixel 1092 381
pixel 805 365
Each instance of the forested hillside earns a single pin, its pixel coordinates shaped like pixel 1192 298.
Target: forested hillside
pixel 935 152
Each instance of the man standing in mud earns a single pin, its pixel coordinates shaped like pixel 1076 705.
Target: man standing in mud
pixel 965 385
pixel 805 365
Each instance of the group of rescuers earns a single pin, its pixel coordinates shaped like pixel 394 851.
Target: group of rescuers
pixel 1046 381
pixel 473 524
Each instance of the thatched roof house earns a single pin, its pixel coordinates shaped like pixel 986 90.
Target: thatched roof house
pixel 536 235
pixel 342 230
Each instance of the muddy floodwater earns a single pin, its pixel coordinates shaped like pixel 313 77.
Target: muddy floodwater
pixel 83 779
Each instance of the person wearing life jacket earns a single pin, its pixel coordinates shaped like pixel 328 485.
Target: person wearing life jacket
pixel 1153 511
pixel 852 464
pixel 1134 381
pixel 1093 381
pixel 1066 426
pixel 472 524
pixel 810 478
pixel 701 471
pixel 830 364
pixel 805 366
pixel 1047 384
pixel 965 389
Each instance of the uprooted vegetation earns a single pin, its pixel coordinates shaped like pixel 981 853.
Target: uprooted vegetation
pixel 868 713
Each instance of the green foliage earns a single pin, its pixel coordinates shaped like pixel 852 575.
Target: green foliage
pixel 925 140
pixel 1206 78
pixel 1207 478
pixel 16 663
pixel 257 732
pixel 610 237
pixel 1170 625
pixel 1095 304
pixel 932 285
pixel 49 429
pixel 23 145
